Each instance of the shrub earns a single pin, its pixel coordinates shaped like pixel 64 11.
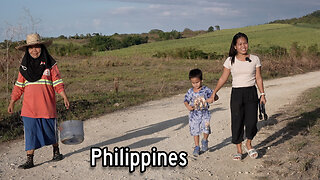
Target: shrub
pixel 155 31
pixel 188 53
pixel 277 51
pixel 210 29
pixel 169 35
pixel 296 50
pixel 104 43
pixel 133 40
pixel 70 49
pixel 313 50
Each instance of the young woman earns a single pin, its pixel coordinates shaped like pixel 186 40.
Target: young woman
pixel 38 79
pixel 246 72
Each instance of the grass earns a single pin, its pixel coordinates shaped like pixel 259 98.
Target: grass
pixel 90 80
pixel 301 150
pixel 219 41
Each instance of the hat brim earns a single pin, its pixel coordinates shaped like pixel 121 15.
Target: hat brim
pixel 24 47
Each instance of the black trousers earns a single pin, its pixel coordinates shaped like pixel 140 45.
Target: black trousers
pixel 244 113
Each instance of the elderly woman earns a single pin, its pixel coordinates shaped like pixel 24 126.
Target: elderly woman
pixel 38 79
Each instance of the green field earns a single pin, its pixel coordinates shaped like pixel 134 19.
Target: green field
pixel 219 41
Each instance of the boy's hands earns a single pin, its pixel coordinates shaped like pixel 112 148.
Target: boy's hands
pixel 213 97
pixel 190 108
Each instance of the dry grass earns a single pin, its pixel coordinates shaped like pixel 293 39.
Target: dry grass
pixel 298 155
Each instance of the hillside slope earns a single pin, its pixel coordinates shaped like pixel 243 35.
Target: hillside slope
pixel 313 18
pixel 219 41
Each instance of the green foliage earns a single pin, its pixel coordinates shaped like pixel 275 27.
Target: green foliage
pixel 11 127
pixel 188 53
pixel 169 35
pixel 70 49
pixel 274 50
pixel 133 40
pixel 296 49
pixel 104 43
pixel 313 50
pixel 62 37
pixel 155 31
pixel 313 18
pixel 107 43
pixel 210 29
pixel 12 44
pixel 187 30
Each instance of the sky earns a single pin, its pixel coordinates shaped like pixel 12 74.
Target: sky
pixel 52 18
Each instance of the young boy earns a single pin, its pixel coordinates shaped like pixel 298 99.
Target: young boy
pixel 199 117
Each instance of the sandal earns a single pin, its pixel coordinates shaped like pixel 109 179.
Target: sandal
pixel 252 152
pixel 237 157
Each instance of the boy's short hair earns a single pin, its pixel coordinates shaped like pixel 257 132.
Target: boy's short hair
pixel 195 73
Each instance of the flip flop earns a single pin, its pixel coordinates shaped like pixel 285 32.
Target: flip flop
pixel 237 157
pixel 251 152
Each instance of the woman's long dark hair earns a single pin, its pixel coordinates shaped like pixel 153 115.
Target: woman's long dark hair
pixel 233 52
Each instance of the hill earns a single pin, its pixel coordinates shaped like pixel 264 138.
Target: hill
pixel 267 35
pixel 313 18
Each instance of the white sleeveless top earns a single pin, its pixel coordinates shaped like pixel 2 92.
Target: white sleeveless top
pixel 243 72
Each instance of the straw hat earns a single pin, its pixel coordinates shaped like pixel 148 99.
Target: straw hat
pixel 33 39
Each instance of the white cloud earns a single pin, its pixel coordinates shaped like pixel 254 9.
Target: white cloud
pixel 123 10
pixel 166 13
pixel 154 6
pixel 221 11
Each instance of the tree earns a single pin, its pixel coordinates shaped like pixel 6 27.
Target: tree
pixel 62 37
pixel 210 29
pixel 155 31
pixel 32 21
pixel 187 30
pixel 217 27
pixel 12 33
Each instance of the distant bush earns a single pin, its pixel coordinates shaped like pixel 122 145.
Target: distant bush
pixel 187 30
pixel 169 35
pixel 62 37
pixel 313 50
pixel 210 29
pixel 188 53
pixel 155 31
pixel 106 43
pixel 274 50
pixel 133 40
pixel 278 51
pixel 70 49
pixel 296 50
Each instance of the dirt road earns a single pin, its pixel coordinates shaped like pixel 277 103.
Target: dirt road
pixel 162 124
